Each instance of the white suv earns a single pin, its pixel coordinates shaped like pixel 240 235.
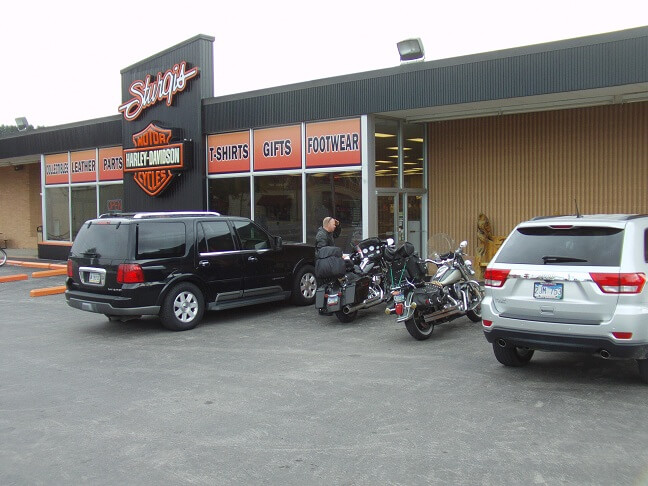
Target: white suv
pixel 570 283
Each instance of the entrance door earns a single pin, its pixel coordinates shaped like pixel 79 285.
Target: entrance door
pixel 400 217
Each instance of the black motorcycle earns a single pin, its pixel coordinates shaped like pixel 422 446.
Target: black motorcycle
pixel 349 283
pixel 422 301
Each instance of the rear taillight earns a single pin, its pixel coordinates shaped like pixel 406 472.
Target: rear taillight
pixel 619 283
pixel 487 323
pixel 130 273
pixel 495 277
pixel 70 269
pixel 622 335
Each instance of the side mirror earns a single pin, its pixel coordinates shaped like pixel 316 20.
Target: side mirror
pixel 463 245
pixel 278 243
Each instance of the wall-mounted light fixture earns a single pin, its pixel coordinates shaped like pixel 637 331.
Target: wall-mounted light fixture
pixel 411 50
pixel 22 123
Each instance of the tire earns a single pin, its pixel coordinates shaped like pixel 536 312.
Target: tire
pixel 3 257
pixel 304 286
pixel 643 369
pixel 475 314
pixel 346 318
pixel 512 356
pixel 183 307
pixel 418 328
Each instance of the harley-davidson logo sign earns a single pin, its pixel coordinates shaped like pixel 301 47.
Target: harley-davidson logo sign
pixel 154 158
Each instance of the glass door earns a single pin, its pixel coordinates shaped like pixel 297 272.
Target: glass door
pixel 400 217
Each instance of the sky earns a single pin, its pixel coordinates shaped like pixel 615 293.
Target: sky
pixel 62 60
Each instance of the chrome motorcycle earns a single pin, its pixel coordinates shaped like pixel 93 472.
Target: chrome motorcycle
pixel 363 285
pixel 422 301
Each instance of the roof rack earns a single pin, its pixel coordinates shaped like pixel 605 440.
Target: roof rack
pixel 171 214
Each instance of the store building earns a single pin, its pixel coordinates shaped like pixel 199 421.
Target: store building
pixel 407 151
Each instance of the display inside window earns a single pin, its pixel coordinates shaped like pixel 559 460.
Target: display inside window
pixel 57 214
pixel 336 194
pixel 278 201
pixel 230 196
pixel 84 206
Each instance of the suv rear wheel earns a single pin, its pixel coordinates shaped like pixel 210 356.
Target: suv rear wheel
pixel 511 355
pixel 304 286
pixel 183 307
pixel 643 369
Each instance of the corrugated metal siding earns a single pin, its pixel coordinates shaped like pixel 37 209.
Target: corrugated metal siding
pixel 515 167
pixel 516 73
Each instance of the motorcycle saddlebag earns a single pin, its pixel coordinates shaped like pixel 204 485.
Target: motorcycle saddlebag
pixel 319 298
pixel 326 295
pixel 355 292
pixel 427 297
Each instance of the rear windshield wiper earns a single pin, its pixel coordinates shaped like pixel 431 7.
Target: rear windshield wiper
pixel 90 254
pixel 561 259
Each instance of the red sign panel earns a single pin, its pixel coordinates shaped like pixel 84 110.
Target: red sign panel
pixel 277 148
pixel 333 143
pixel 83 166
pixel 228 152
pixel 111 164
pixel 56 169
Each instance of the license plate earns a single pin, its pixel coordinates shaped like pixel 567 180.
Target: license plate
pixel 94 278
pixel 399 297
pixel 333 300
pixel 548 291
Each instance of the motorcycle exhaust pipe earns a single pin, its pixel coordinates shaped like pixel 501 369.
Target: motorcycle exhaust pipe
pixel 450 311
pixel 365 304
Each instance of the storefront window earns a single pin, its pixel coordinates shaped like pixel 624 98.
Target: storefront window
pixel 278 205
pixel 84 206
pixel 337 194
pixel 111 198
pixel 57 216
pixel 386 153
pixel 413 155
pixel 230 196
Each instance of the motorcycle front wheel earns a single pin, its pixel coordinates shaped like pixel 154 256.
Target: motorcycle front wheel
pixel 418 328
pixel 475 314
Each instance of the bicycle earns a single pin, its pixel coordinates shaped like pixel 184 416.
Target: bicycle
pixel 3 253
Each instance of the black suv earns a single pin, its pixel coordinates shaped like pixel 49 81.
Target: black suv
pixel 178 264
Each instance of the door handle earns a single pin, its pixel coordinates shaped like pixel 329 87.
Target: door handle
pixel 203 263
pixel 252 259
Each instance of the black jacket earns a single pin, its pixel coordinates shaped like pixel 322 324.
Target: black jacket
pixel 324 238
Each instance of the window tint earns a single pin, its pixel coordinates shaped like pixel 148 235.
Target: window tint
pixel 160 240
pixel 575 246
pixel 214 236
pixel 101 240
pixel 252 237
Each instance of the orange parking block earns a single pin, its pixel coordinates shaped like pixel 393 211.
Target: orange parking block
pixel 49 273
pixel 47 291
pixel 14 278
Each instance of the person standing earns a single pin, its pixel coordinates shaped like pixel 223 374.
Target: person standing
pixel 327 233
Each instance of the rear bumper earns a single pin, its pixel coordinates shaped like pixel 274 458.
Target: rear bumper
pixel 113 306
pixel 565 342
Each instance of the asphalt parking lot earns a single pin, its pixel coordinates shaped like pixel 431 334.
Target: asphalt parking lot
pixel 280 395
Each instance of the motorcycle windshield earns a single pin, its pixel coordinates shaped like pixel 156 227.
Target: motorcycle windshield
pixel 440 244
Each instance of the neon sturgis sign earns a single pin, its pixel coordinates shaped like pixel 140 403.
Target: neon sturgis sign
pixel 147 92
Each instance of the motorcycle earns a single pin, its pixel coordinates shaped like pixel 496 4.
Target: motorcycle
pixel 363 284
pixel 422 301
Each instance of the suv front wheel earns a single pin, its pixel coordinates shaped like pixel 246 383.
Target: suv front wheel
pixel 183 307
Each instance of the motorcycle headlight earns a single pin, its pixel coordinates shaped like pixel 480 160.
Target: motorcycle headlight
pixel 469 266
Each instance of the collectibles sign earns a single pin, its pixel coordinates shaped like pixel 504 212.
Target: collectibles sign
pixel 154 159
pixel 148 92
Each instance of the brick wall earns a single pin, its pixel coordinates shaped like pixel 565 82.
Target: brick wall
pixel 20 205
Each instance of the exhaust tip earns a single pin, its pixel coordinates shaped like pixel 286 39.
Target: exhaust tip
pixel 388 311
pixel 501 343
pixel 605 354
